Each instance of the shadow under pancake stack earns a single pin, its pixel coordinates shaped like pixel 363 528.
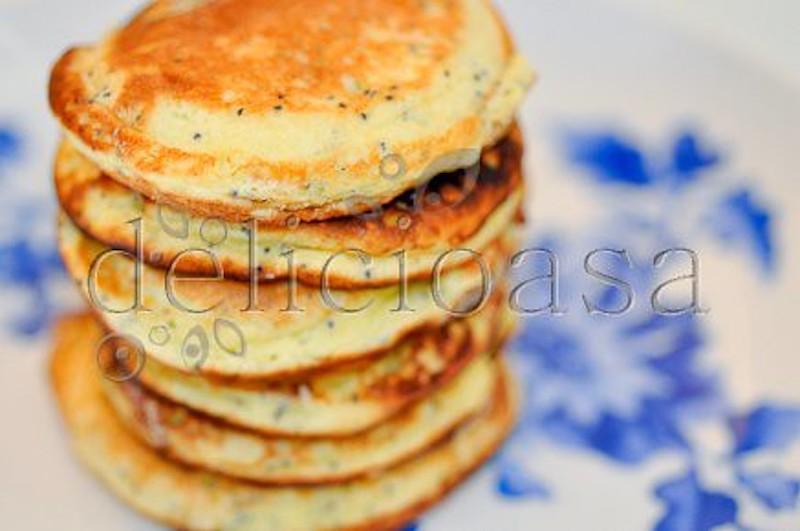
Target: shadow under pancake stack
pixel 292 223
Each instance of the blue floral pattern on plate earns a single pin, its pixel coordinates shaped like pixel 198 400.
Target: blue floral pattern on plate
pixel 631 387
pixel 27 262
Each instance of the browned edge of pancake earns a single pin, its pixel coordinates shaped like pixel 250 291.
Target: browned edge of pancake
pixel 509 403
pixel 454 219
pixel 437 333
pixel 401 518
pixel 103 130
pixel 393 402
pixel 138 396
pixel 497 258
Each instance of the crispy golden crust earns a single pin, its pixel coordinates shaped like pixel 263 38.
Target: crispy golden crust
pixel 447 213
pixel 275 42
pixel 195 439
pixel 189 498
pixel 274 109
pixel 339 401
pixel 277 342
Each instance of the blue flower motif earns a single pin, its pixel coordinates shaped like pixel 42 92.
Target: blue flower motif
pixel 690 159
pixel 29 267
pixel 608 157
pixel 515 482
pixel 691 508
pixel 619 386
pixel 10 145
pixel 769 426
pixel 28 261
pixel 602 399
pixel 629 387
pixel 776 491
pixel 740 218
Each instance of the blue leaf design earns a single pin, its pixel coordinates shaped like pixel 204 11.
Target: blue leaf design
pixel 689 159
pixel 769 426
pixel 515 482
pixel 774 490
pixel 632 441
pixel 10 145
pixel 742 219
pixel 609 158
pixel 23 265
pixel 689 383
pixel 556 349
pixel 627 441
pixel 690 508
pixel 412 526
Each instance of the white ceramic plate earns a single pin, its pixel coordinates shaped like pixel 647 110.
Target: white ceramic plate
pixel 641 139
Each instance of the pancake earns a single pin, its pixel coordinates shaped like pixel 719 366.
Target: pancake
pixel 201 441
pixel 203 325
pixel 344 400
pixel 190 498
pixel 468 209
pixel 280 109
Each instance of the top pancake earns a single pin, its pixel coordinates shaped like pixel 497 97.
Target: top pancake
pixel 280 108
pixel 466 209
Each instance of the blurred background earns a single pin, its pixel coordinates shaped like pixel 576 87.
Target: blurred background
pixel 654 124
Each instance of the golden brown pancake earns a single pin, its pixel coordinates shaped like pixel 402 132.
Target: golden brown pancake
pixel 201 441
pixel 191 498
pixel 339 401
pixel 463 209
pixel 273 109
pixel 202 323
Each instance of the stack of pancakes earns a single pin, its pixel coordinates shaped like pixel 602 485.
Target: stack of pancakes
pixel 292 221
